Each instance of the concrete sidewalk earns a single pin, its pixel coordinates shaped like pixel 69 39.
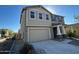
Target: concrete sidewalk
pixel 2 40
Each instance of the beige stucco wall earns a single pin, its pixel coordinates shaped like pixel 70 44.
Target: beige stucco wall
pixel 26 21
pixel 36 21
pixel 22 30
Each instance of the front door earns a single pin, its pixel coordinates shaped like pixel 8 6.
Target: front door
pixel 55 32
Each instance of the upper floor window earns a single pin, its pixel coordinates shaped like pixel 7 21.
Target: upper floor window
pixel 60 17
pixel 47 17
pixel 40 15
pixel 56 18
pixel 53 17
pixel 32 14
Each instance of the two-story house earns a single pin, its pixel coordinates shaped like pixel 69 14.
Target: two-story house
pixel 37 23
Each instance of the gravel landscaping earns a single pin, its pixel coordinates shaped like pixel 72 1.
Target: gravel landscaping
pixel 5 46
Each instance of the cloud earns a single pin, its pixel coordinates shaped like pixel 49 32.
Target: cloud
pixel 50 8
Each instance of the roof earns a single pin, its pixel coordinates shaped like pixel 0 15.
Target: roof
pixel 33 6
pixel 74 25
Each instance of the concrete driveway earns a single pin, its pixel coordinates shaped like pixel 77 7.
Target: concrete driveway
pixel 55 47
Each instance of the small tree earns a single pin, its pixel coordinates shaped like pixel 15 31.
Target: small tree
pixel 70 34
pixel 3 33
pixel 77 30
pixel 14 36
pixel 77 19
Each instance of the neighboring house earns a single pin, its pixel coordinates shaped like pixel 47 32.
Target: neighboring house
pixel 72 27
pixel 37 24
pixel 6 32
pixel 0 33
pixel 18 36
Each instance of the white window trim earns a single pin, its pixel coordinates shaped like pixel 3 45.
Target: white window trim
pixel 42 15
pixel 34 16
pixel 46 17
pixel 38 16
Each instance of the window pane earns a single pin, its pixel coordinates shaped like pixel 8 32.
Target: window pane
pixel 40 15
pixel 59 17
pixel 47 17
pixel 32 14
pixel 53 18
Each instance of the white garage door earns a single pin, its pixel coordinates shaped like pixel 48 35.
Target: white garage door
pixel 38 34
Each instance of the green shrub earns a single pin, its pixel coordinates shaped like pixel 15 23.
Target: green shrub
pixel 70 34
pixel 74 34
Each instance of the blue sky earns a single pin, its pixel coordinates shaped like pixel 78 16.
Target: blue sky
pixel 10 14
pixel 68 11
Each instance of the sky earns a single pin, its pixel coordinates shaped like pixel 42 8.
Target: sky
pixel 68 11
pixel 10 14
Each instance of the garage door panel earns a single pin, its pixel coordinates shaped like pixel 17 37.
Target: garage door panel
pixel 38 34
